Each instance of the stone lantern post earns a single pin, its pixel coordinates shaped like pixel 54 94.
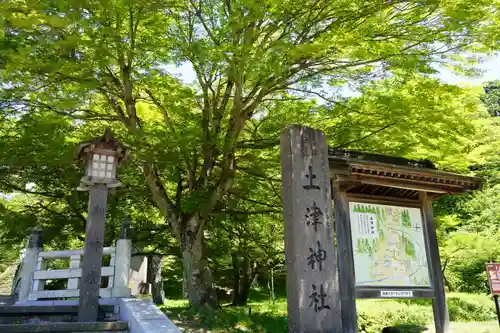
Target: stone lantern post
pixel 101 157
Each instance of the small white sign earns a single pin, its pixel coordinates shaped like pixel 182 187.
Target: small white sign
pixel 367 225
pixel 396 293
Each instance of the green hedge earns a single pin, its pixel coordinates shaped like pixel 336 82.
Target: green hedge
pixel 373 315
pixel 470 307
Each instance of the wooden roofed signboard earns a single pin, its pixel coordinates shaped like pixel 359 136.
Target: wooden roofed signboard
pixel 381 243
pixel 384 224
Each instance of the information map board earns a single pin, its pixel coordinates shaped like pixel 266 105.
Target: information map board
pixel 389 246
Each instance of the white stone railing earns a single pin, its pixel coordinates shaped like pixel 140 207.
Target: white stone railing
pixel 34 273
pixel 72 274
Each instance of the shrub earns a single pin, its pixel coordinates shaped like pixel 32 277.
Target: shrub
pixel 470 307
pixel 374 315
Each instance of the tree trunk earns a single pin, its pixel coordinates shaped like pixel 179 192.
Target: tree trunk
pixel 199 281
pixel 247 280
pixel 236 279
pixel 243 279
pixel 156 280
pixel 189 233
pixel 184 285
pixel 271 285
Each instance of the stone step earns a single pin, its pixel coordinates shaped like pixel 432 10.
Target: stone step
pixel 116 327
pixel 44 314
pixel 6 300
pixel 7 310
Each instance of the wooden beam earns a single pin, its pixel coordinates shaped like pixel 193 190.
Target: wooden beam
pixel 439 306
pixel 401 183
pixel 347 278
pixel 415 172
pixel 338 156
pixel 407 184
pixel 387 190
pixel 435 179
pixel 381 200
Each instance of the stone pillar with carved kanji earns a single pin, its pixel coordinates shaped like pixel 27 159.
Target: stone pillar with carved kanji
pixel 92 254
pixel 311 255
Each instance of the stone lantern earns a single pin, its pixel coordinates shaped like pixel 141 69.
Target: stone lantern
pixel 101 158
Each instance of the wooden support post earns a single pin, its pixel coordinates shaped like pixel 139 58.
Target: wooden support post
pixel 441 317
pixel 311 255
pixel 497 308
pixel 347 280
pixel 92 254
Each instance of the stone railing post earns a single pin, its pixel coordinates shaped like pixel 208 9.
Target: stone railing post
pixel 122 263
pixel 29 263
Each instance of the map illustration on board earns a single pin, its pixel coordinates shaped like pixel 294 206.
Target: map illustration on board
pixel 388 245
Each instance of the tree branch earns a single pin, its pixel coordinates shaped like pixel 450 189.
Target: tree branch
pixel 159 192
pixel 346 144
pixel 25 191
pixel 254 212
pixel 258 144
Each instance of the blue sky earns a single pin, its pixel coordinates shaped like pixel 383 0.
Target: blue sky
pixel 490 67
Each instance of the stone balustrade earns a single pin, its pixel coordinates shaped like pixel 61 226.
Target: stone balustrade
pixel 35 271
pixel 72 274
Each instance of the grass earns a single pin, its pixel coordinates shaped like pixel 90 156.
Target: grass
pixel 474 327
pixel 259 316
pixel 469 314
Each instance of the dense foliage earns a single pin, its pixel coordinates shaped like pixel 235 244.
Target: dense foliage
pixel 469 225
pixel 203 185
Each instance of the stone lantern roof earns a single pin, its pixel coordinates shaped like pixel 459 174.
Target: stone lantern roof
pixel 105 142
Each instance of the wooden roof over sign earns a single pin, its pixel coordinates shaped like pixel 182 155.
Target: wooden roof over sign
pixel 385 176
